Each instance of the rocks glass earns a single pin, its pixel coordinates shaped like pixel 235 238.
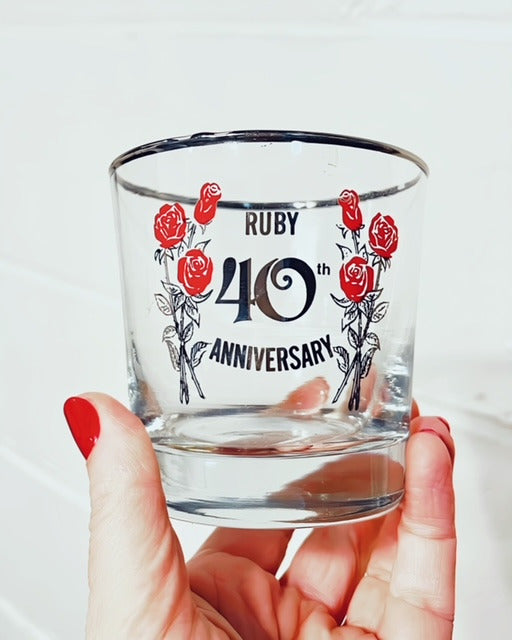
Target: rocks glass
pixel 269 286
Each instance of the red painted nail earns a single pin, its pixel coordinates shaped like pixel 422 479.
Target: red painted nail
pixel 84 423
pixel 445 422
pixel 430 431
pixel 451 450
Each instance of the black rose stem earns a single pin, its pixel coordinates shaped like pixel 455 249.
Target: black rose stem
pixel 186 357
pixel 355 235
pixel 355 394
pixel 344 382
pixel 195 271
pixel 175 232
pixel 184 353
pixel 356 383
pixel 383 240
pixel 184 393
pixel 185 335
pixel 361 372
pixel 192 233
pixel 362 335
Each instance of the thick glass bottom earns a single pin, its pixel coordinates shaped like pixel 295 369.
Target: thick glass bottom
pixel 266 490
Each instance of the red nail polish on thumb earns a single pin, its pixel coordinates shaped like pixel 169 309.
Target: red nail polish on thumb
pixel 430 431
pixel 84 423
pixel 445 422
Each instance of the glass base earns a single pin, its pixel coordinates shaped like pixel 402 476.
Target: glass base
pixel 268 490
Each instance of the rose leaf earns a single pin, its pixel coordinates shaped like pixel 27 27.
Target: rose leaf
pixel 163 304
pixel 366 307
pixel 367 362
pixel 344 250
pixel 353 338
pixel 169 332
pixel 201 297
pixel 343 360
pixel 197 352
pixel 373 295
pixel 192 310
pixel 380 311
pixel 171 288
pixel 188 332
pixel 174 355
pixel 179 299
pixel 341 302
pixel 202 245
pixel 373 340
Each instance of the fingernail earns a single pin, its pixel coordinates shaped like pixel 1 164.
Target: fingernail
pixel 451 450
pixel 445 422
pixel 430 431
pixel 84 423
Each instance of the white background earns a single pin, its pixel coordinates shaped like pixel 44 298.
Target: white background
pixel 82 82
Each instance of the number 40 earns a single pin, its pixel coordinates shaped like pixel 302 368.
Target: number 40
pixel 270 270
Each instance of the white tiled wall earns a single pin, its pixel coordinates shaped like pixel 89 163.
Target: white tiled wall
pixel 82 81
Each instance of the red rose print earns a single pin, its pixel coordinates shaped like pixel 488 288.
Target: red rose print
pixel 210 191
pixel 206 206
pixel 352 216
pixel 360 309
pixel 356 278
pixel 383 235
pixel 195 271
pixel 183 287
pixel 170 225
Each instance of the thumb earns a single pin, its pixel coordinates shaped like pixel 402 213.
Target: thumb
pixel 137 575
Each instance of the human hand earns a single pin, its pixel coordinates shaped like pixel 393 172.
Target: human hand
pixel 391 578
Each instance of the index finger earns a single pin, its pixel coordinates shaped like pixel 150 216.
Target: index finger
pixel 426 536
pixel 412 571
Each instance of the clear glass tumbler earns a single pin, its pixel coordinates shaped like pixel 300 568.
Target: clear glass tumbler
pixel 269 286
